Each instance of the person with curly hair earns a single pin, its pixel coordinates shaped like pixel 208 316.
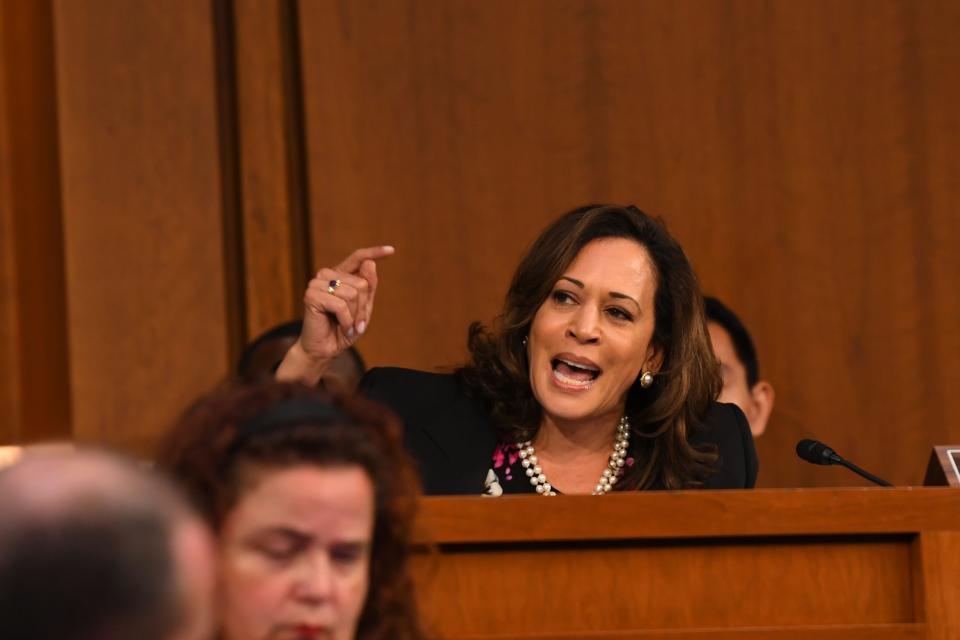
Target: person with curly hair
pixel 597 376
pixel 311 498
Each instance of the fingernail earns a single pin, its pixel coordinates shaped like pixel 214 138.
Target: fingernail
pixel 362 327
pixel 388 247
pixel 350 333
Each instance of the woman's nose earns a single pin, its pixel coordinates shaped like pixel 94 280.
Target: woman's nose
pixel 584 326
pixel 315 578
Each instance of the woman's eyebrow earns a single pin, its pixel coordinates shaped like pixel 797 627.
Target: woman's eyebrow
pixel 351 544
pixel 284 532
pixel 613 294
pixel 617 294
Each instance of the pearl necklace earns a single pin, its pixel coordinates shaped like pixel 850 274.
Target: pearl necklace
pixel 609 477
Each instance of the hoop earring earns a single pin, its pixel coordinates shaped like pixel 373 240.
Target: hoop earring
pixel 646 379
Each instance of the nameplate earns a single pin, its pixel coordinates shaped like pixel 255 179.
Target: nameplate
pixel 943 470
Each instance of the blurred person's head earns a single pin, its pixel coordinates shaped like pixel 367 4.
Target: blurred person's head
pixel 94 548
pixel 260 358
pixel 312 499
pixel 739 366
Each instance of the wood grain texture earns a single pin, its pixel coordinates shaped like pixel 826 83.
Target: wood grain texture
pixel 803 153
pixel 825 562
pixel 644 586
pixel 937 559
pixel 143 213
pixel 465 520
pixel 9 347
pixel 274 241
pixel 34 394
pixel 907 631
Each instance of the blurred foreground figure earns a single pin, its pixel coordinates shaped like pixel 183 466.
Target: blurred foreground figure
pixel 312 498
pixel 94 548
pixel 739 366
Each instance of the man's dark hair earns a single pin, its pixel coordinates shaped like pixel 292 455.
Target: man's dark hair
pixel 247 366
pixel 742 342
pixel 94 568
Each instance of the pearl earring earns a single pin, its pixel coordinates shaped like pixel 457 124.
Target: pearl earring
pixel 646 379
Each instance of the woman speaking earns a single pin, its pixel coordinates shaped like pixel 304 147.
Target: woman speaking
pixel 597 376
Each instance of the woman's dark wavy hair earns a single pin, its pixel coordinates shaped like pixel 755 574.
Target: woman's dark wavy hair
pixel 664 416
pixel 214 457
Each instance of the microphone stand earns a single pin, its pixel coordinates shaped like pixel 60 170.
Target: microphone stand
pixel 860 472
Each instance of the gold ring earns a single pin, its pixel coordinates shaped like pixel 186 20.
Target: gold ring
pixel 333 286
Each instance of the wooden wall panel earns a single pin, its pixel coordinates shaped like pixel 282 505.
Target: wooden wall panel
pixel 9 348
pixel 936 559
pixel 802 152
pixel 144 197
pixel 271 163
pixel 34 395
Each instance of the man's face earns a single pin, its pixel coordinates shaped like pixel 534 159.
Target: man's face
pixel 343 374
pixel 735 387
pixel 754 402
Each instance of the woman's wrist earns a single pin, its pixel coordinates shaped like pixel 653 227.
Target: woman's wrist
pixel 299 366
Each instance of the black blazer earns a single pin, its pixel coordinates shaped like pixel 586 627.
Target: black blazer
pixel 451 437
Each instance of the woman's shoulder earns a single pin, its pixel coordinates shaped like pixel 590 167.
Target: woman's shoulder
pixel 399 382
pixel 449 434
pixel 726 428
pixel 402 374
pixel 412 393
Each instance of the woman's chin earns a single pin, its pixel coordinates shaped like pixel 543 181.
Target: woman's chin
pixel 560 406
pixel 577 407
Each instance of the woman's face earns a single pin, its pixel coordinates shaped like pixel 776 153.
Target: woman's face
pixel 295 555
pixel 591 338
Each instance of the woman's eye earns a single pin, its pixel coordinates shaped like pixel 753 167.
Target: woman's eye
pixel 278 549
pixel 562 297
pixel 346 555
pixel 277 552
pixel 620 314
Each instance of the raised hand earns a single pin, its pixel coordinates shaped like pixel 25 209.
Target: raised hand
pixel 338 305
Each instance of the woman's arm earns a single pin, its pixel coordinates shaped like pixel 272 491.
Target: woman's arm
pixel 338 305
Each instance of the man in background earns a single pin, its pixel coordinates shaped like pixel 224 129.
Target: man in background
pixel 94 548
pixel 260 358
pixel 739 367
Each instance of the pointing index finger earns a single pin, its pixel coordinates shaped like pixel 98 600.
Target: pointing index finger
pixel 352 263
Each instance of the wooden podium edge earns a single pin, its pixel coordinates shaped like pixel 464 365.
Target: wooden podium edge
pixel 900 631
pixel 667 515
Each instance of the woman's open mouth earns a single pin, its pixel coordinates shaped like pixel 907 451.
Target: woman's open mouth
pixel 575 373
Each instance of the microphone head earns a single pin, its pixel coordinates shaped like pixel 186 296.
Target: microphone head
pixel 816 452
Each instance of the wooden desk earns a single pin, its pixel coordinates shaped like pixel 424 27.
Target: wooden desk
pixel 779 564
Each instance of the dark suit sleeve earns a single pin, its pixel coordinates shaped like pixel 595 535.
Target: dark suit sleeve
pixel 752 463
pixel 369 386
pixel 726 428
pixel 448 436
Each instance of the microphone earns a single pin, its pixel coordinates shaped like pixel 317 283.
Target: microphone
pixel 815 452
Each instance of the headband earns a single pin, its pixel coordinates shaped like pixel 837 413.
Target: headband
pixel 288 413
